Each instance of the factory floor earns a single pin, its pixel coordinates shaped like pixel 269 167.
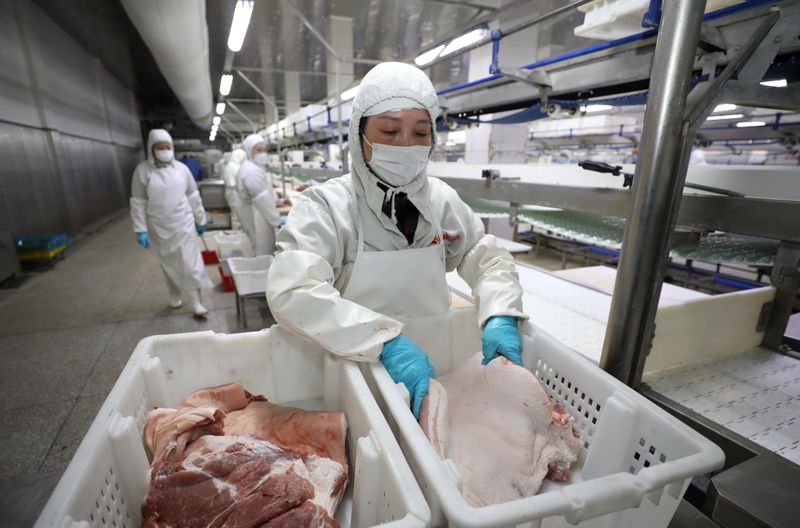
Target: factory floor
pixel 66 333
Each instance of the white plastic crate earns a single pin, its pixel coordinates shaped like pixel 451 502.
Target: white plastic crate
pixel 107 479
pixel 635 465
pixel 233 245
pixel 250 274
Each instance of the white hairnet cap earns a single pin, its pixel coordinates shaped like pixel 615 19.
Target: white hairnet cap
pixel 156 135
pixel 395 86
pixel 251 141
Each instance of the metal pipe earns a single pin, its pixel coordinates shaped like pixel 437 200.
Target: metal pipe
pixel 236 109
pixel 293 8
pixel 234 128
pixel 647 231
pixel 339 112
pixel 283 70
pixel 227 134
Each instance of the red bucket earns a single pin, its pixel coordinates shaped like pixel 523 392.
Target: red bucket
pixel 227 281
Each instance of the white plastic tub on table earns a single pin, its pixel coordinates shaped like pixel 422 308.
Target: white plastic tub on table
pixel 636 462
pixel 233 245
pixel 250 273
pixel 107 479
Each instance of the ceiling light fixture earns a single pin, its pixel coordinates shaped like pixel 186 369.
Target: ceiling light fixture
pixel 225 84
pixel 747 124
pixel 241 19
pixel 220 108
pixel 595 108
pixel 726 116
pixel 778 83
pixel 727 107
pixel 429 56
pixel 349 93
pixel 467 39
pixel 216 120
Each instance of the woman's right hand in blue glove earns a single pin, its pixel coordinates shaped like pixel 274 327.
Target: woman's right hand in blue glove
pixel 142 240
pixel 409 365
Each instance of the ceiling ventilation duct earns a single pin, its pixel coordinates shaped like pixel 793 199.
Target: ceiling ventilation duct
pixel 176 33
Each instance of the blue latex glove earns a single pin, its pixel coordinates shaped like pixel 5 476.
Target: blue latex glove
pixel 142 240
pixel 200 228
pixel 409 365
pixel 501 336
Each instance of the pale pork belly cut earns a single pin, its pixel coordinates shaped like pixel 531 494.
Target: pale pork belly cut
pixel 499 427
pixel 228 458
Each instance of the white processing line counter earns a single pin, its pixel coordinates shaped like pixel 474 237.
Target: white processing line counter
pixel 706 354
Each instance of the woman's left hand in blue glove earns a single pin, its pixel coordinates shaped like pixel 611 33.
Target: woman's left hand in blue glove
pixel 501 338
pixel 201 228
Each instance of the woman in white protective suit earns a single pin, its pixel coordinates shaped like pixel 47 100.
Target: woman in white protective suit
pixel 168 213
pixel 359 252
pixel 258 211
pixel 230 174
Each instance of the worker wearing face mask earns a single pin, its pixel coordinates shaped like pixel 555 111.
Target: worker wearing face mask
pixel 168 213
pixel 360 251
pixel 258 211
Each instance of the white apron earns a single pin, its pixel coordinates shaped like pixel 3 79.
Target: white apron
pixel 170 225
pixel 401 283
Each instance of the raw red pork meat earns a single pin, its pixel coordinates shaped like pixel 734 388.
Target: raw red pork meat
pixel 276 466
pixel 500 428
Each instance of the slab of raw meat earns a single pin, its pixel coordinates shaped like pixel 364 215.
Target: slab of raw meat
pixel 317 433
pixel 233 481
pixel 224 446
pixel 168 431
pixel 229 397
pixel 499 427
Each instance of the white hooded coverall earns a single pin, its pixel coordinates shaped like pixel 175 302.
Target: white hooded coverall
pixel 258 212
pixel 166 205
pixel 318 246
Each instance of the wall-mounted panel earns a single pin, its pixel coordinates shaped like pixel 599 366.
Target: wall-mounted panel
pixel 16 97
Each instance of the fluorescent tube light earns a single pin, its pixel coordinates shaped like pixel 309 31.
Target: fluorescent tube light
pixel 225 84
pixel 463 41
pixel 349 94
pixel 778 83
pixel 726 116
pixel 241 19
pixel 429 56
pixel 727 107
pixel 220 108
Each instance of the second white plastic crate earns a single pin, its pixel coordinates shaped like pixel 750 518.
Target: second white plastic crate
pixel 250 274
pixel 636 462
pixel 107 479
pixel 233 245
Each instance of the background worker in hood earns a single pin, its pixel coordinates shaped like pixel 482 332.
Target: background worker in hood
pixel 361 252
pixel 168 213
pixel 257 211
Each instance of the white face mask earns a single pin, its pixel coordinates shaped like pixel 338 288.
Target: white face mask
pixel 260 158
pixel 398 166
pixel 165 156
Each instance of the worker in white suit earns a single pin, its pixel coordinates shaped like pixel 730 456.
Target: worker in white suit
pixel 230 174
pixel 168 213
pixel 258 210
pixel 360 252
